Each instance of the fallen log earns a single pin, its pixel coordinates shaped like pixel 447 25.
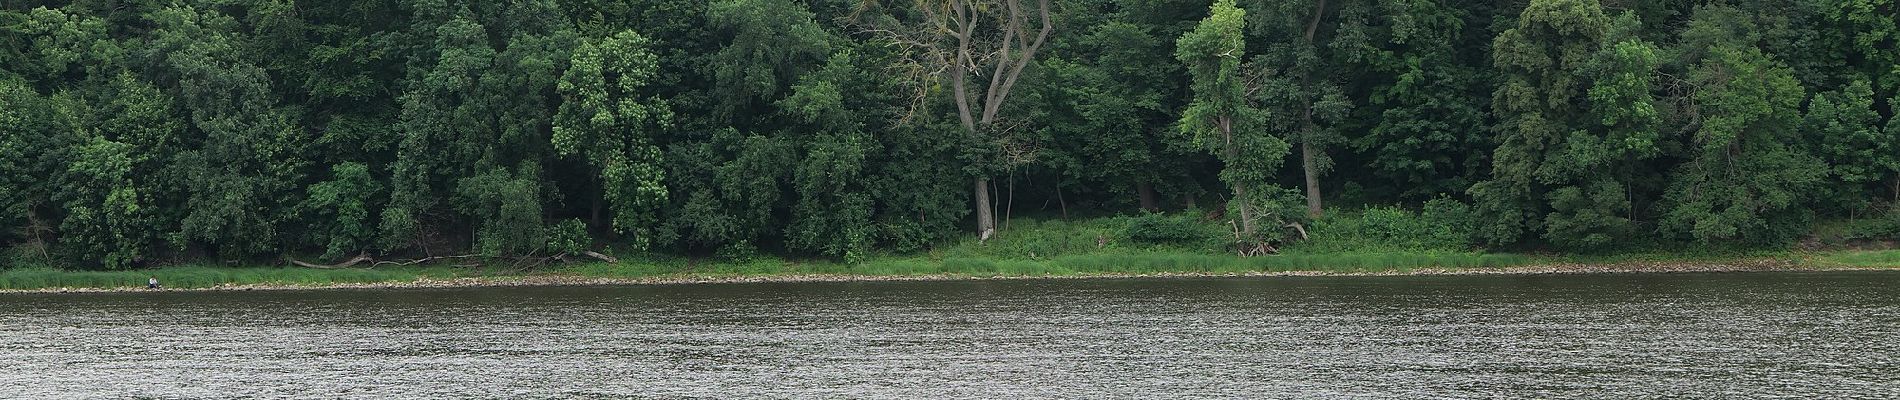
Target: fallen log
pixel 602 257
pixel 425 259
pixel 345 264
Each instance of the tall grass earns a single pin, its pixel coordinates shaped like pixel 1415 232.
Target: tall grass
pixel 1371 240
pixel 1884 258
pixel 1156 263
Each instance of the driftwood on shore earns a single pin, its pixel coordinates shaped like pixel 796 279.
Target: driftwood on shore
pixel 360 258
pixel 365 258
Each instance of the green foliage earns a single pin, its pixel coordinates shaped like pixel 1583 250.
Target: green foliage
pixel 1560 170
pixel 1221 119
pixel 1449 224
pixel 108 219
pixel 1444 225
pixel 608 119
pixel 1425 95
pixel 342 210
pixel 833 213
pixel 1746 179
pixel 568 237
pixel 1157 228
pixel 152 133
pixel 1843 129
pixel 509 207
pixel 773 42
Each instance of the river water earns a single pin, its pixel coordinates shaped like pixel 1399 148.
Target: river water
pixel 1739 335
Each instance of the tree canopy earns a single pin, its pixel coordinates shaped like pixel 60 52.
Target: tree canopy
pixel 147 133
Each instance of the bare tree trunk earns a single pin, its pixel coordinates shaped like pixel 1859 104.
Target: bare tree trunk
pixel 1064 203
pixel 985 220
pixel 1147 193
pixel 1014 50
pixel 1310 164
pixel 1240 188
pixel 1246 211
pixel 1009 207
pixel 1309 161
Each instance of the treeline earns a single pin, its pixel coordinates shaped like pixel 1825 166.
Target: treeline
pixel 144 132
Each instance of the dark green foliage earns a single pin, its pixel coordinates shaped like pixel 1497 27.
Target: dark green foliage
pixel 1449 224
pixel 341 208
pixel 1746 177
pixel 155 133
pixel 1157 228
pixel 568 237
pixel 1577 120
pixel 1843 129
pixel 508 206
pixel 1425 97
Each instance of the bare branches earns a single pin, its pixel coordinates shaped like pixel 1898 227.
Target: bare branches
pixel 1028 55
pixel 952 42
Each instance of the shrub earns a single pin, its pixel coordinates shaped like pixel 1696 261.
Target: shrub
pixel 1448 224
pixel 568 236
pixel 1155 228
pixel 1390 223
pixel 1887 227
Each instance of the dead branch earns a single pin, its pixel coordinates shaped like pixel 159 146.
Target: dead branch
pixel 598 256
pixel 1298 228
pixel 345 264
pixel 424 260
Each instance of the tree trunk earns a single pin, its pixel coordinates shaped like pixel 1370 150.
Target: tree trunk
pixel 1062 202
pixel 1310 164
pixel 1009 206
pixel 1147 193
pixel 1240 188
pixel 985 218
pixel 1246 211
pixel 593 217
pixel 1308 160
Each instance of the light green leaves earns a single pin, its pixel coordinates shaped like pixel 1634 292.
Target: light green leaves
pixel 609 118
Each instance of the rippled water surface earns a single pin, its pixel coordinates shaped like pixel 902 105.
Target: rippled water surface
pixel 1754 335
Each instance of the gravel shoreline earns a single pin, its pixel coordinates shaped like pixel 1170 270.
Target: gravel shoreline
pixel 1761 265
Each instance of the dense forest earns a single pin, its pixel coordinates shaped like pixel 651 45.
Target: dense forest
pixel 137 132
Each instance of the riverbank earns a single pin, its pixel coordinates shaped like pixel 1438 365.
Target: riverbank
pixel 671 272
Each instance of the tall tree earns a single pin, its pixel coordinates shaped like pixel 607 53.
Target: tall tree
pixel 1548 174
pixel 1299 85
pixel 1105 106
pixel 1220 118
pixel 1745 178
pixel 967 39
pixel 609 118
pixel 1843 128
pixel 1424 95
pixel 241 176
pixel 833 212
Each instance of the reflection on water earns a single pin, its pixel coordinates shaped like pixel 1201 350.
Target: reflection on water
pixel 1754 335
